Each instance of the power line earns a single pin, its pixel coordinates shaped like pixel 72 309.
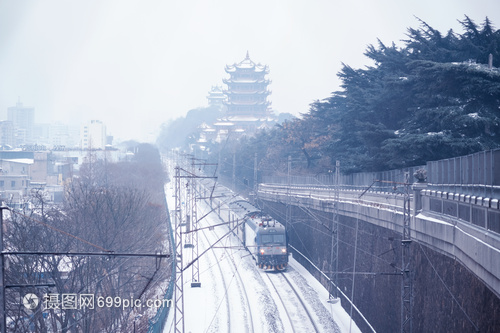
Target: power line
pixel 448 289
pixel 58 230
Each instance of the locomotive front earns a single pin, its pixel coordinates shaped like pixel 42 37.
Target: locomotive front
pixel 272 250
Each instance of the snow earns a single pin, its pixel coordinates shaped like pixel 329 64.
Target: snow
pixel 236 296
pixel 21 160
pixel 423 216
pixel 336 310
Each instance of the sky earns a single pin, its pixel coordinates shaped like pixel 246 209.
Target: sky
pixel 137 64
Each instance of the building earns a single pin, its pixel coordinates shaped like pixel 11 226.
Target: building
pixel 23 119
pixel 247 105
pixel 63 136
pixel 7 135
pixel 216 97
pixel 93 135
pixel 14 179
pixel 244 104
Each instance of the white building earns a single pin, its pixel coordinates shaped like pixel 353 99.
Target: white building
pixel 15 178
pixel 23 119
pixel 63 136
pixel 93 135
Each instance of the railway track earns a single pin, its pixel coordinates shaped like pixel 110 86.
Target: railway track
pixel 225 286
pixel 294 309
pixel 299 316
pixel 234 323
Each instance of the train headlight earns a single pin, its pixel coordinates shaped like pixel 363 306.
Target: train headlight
pixel 261 251
pixel 283 250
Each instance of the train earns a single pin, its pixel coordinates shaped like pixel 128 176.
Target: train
pixel 264 237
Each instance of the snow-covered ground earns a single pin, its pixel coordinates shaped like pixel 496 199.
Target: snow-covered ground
pixel 236 296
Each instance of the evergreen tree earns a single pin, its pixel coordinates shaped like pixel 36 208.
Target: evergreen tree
pixel 433 97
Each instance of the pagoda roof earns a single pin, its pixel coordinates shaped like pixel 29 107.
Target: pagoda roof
pixel 216 92
pixel 243 103
pixel 231 80
pixel 248 92
pixel 216 89
pixel 223 123
pixel 204 125
pixel 247 63
pixel 239 118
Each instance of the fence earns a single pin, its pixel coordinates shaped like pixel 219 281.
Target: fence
pixel 474 174
pixel 357 180
pixel 157 323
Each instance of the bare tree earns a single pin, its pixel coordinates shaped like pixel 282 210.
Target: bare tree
pixel 101 212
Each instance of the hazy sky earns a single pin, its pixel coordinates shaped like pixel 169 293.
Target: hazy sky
pixel 135 64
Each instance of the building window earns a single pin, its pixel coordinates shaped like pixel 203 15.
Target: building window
pixel 13 183
pixel 2 183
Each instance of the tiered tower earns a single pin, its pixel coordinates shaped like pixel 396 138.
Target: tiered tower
pixel 247 105
pixel 216 97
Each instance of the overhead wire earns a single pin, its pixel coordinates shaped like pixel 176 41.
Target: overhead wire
pixel 340 240
pixel 61 231
pixel 107 274
pixel 447 289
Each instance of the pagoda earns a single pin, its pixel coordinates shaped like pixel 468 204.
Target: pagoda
pixel 246 105
pixel 216 97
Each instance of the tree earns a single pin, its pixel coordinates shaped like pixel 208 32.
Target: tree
pixel 431 98
pixel 100 213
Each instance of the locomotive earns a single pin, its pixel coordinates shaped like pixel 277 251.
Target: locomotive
pixel 264 237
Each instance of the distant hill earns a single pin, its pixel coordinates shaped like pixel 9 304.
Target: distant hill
pixel 182 131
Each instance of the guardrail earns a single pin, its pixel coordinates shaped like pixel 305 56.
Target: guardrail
pixel 472 174
pixel 462 226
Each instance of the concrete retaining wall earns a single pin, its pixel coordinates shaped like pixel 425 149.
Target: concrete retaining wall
pixel 435 221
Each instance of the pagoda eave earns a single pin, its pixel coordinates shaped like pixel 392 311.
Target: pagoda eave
pixel 249 92
pixel 232 81
pixel 229 103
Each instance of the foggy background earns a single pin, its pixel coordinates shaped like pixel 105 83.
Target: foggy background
pixel 136 64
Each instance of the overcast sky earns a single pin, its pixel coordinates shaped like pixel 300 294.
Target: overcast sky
pixel 135 64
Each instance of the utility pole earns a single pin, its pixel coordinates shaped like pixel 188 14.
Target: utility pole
pixel 234 170
pixel 191 214
pixel 179 281
pixel 288 197
pixel 334 254
pixel 406 267
pixel 104 253
pixel 255 173
pixel 195 269
pixel 406 271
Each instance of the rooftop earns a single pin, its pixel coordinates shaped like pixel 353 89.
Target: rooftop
pixel 247 63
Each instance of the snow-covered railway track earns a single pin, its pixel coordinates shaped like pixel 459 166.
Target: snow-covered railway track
pixel 250 319
pixel 239 315
pixel 282 303
pixel 224 298
pixel 298 314
pixel 301 302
